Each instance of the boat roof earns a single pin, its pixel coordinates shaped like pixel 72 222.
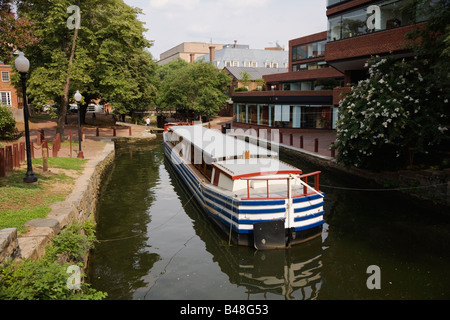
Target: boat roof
pixel 246 168
pixel 218 146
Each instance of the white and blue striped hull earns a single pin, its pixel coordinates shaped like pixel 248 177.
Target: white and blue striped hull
pixel 240 216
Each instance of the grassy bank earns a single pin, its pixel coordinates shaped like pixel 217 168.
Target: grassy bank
pixel 20 202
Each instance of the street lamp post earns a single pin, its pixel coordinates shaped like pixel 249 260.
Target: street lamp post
pixel 23 65
pixel 78 99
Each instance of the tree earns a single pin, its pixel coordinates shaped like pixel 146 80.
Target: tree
pixel 401 111
pixel 197 87
pixel 7 123
pixel 15 33
pixel 395 114
pixel 109 55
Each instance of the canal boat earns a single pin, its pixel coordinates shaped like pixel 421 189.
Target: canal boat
pixel 254 197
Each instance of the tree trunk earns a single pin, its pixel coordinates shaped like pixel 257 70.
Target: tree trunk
pixel 65 98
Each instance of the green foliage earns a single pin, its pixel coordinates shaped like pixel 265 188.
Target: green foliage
pixel 197 87
pixel 400 111
pixel 111 62
pixel 7 123
pixel 46 279
pixel 73 242
pixel 16 32
pixel 63 163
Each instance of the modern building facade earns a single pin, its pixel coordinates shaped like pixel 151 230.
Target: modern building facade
pixel 322 66
pixel 250 78
pixel 187 51
pixel 299 98
pixel 359 29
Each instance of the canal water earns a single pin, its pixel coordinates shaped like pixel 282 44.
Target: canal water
pixel 155 242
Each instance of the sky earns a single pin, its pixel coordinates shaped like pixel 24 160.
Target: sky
pixel 257 23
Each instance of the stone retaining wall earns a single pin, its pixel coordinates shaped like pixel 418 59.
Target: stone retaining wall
pixel 430 185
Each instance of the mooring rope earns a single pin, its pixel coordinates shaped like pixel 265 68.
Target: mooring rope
pixel 381 189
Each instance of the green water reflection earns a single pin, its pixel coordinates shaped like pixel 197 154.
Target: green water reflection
pixel 158 244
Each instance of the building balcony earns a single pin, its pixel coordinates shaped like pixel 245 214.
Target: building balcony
pixel 324 97
pixel 353 53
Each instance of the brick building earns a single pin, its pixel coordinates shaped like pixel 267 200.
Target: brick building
pixel 323 65
pixel 8 93
pixel 299 98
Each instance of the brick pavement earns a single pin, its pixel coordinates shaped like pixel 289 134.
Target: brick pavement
pixel 91 144
pixel 325 137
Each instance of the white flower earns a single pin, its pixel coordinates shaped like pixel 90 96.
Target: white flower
pixel 442 129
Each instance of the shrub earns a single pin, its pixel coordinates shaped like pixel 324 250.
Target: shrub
pixel 398 112
pixel 41 280
pixel 46 279
pixel 7 123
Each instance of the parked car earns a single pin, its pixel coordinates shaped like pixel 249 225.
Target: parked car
pixel 73 108
pixel 94 108
pixel 49 108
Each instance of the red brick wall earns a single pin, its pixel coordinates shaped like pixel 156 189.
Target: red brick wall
pixel 308 39
pixel 380 42
pixel 303 75
pixel 305 93
pixel 6 86
pixel 346 6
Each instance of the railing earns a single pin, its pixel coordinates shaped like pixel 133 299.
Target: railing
pixel 304 181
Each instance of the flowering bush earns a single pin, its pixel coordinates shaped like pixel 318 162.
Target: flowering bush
pixel 391 116
pixel 7 123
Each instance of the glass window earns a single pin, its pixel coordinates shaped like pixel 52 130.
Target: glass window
pixel 253 114
pixel 333 2
pixel 240 113
pixel 307 51
pixel 264 115
pixel 5 98
pixel 354 23
pixel 5 76
pixel 382 15
pixel 334 28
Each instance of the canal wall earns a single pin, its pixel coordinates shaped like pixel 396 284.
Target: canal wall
pixel 78 206
pixel 428 185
